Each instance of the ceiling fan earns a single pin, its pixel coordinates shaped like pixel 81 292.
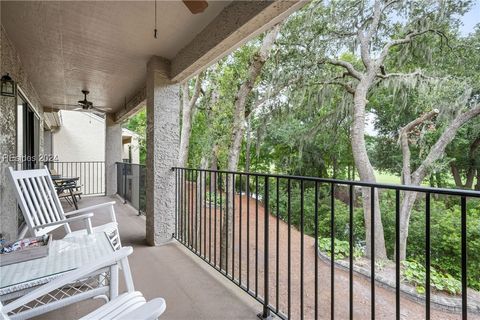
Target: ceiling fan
pixel 196 6
pixel 85 105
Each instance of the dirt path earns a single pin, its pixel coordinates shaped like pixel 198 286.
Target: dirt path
pixel 250 220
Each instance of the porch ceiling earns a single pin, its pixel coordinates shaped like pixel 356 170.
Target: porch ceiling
pixel 102 46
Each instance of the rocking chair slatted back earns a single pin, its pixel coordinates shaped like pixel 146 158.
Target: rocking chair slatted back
pixel 38 199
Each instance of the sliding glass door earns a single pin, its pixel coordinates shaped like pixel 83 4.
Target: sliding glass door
pixel 28 135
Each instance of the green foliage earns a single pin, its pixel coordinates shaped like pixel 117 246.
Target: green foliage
pixel 414 273
pixel 341 248
pixel 138 124
pixel 445 234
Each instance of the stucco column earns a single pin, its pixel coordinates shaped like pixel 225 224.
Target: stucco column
pixel 163 107
pixel 113 153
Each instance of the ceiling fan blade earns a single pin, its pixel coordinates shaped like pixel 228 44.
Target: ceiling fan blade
pixel 196 6
pixel 102 108
pixel 95 109
pixel 62 105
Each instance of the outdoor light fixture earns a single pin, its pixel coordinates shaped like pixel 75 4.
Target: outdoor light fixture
pixel 7 86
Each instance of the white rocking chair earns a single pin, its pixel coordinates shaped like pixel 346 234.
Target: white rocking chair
pixel 43 212
pixel 127 306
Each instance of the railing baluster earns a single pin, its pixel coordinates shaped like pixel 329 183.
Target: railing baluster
pixel 227 222
pixel 277 253
pixel 240 260
pixel 350 240
pixel 248 232
pixel 266 261
pixel 427 256
pixel 256 235
pixel 332 251
pixel 185 206
pixel 210 217
pixel 302 223
pixel 372 251
pixel 463 219
pixel 205 214
pixel 233 226
pixel 289 249
pixel 176 203
pixel 192 209
pixel 316 248
pixel 215 224
pixel 196 203
pixel 221 224
pixel 397 254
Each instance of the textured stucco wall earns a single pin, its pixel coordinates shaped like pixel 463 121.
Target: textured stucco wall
pixel 11 63
pixel 113 153
pixel 80 138
pixel 163 105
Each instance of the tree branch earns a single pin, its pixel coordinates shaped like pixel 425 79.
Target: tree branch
pixel 407 39
pixel 346 86
pixel 417 73
pixel 347 65
pixel 447 136
pixel 403 140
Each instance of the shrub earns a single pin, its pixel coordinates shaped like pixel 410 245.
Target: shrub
pixel 341 248
pixel 414 273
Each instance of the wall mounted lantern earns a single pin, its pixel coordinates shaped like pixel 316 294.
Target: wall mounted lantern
pixel 7 86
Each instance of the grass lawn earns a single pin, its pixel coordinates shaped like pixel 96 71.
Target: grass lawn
pixel 383 177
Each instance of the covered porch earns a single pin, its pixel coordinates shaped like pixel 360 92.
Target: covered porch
pixel 192 289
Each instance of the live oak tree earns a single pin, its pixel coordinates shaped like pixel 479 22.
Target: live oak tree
pixel 348 45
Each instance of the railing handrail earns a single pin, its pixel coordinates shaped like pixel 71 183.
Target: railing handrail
pixel 89 161
pixel 130 164
pixel 402 187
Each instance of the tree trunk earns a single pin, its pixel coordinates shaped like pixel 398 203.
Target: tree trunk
pixel 405 211
pixel 365 170
pixel 477 187
pixel 456 176
pixel 254 70
pixel 187 115
pixel 249 144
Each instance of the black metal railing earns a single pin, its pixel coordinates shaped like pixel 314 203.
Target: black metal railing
pixel 131 181
pixel 258 230
pixel 90 174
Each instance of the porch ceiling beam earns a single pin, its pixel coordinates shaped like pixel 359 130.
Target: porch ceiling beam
pixel 133 105
pixel 237 23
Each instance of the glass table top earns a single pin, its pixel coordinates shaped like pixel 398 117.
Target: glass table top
pixel 64 255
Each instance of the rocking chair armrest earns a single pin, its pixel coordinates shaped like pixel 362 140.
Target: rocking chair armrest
pixel 149 311
pixel 91 208
pixel 86 216
pixel 94 208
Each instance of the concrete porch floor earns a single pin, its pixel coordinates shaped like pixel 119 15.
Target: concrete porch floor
pixel 191 288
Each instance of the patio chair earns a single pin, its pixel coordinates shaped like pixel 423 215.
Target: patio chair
pixel 43 212
pixel 126 306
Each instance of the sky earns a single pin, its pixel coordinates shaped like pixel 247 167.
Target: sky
pixel 471 18
pixel 469 21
